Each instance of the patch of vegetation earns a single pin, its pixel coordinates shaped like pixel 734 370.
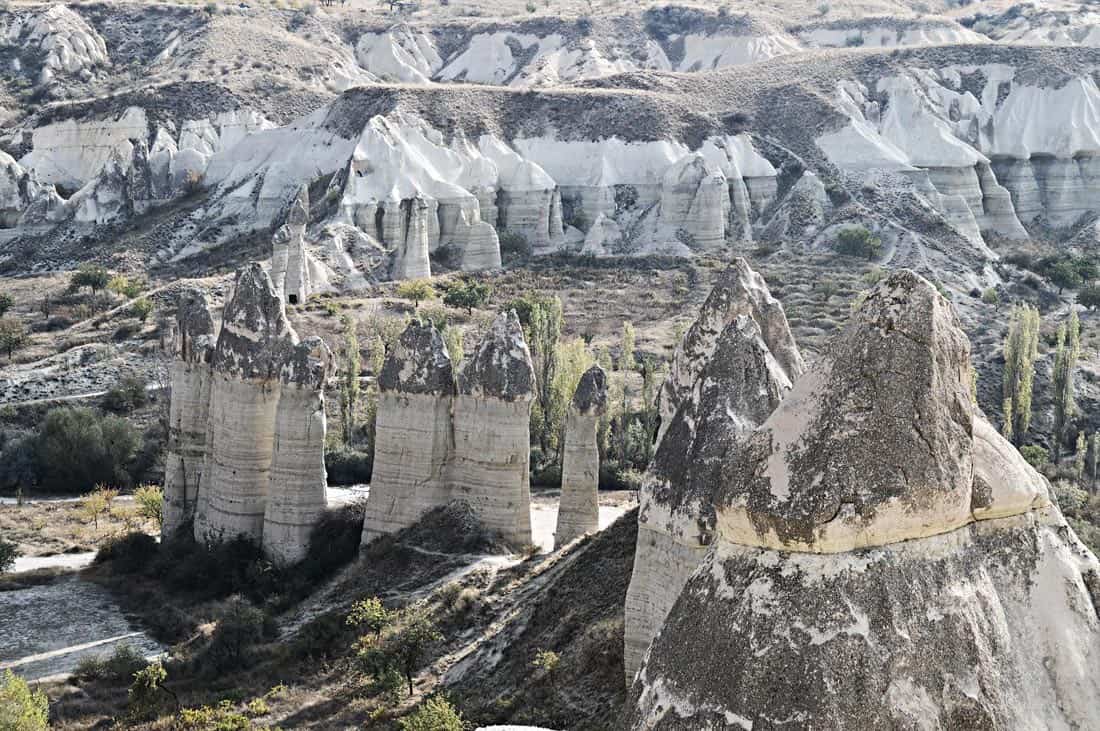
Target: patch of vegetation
pixel 8 553
pixel 434 714
pixel 126 396
pixel 858 241
pixel 22 709
pixel 348 466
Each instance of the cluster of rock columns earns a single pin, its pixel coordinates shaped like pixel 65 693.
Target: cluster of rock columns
pixel 439 440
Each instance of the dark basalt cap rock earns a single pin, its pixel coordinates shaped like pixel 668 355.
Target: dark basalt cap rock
pixel 194 326
pixel 590 398
pixel 872 446
pixel 309 364
pixel 419 363
pixel 501 366
pixel 256 337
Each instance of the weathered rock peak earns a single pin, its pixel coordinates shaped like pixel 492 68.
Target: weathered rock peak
pixel 501 367
pixel 738 291
pixel 419 363
pixel 882 557
pixel 872 446
pixel 194 335
pixel 256 336
pixel 724 381
pixel 590 398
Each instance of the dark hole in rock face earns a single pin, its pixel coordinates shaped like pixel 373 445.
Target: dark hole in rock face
pixel 292 299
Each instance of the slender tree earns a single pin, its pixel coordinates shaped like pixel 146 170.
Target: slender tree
pixel 349 379
pixel 1065 363
pixel 1020 351
pixel 542 320
pixel 1094 457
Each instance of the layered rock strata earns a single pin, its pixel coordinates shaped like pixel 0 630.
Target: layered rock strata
pixel 190 377
pixel 247 434
pixel 579 509
pixel 883 557
pixel 413 432
pixel 490 467
pixel 438 440
pixel 296 494
pixel 735 363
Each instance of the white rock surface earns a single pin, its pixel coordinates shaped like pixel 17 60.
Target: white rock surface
pixel 579 509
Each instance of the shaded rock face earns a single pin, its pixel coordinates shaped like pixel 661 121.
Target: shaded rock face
pixel 438 440
pixel 193 348
pixel 914 575
pixel 724 381
pixel 246 447
pixel 579 510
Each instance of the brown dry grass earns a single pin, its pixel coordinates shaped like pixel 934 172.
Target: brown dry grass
pixel 54 527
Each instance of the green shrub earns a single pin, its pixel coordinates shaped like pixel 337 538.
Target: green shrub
pixel 514 246
pixel 333 541
pixel 1089 297
pixel 434 714
pixel 858 241
pixel 990 296
pixel 18 459
pixel 146 693
pixel 8 553
pixel 142 308
pixel 241 627
pixel 1036 456
pixel 22 709
pixel 128 554
pixel 91 276
pixel 128 394
pixel 347 466
pixel 77 449
pixel 6 303
pixel 467 295
pixel 221 717
pixel 370 614
pixel 150 504
pixel 119 666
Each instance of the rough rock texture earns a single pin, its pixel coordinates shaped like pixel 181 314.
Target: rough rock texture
pixel 296 494
pixel 908 573
pixel 289 260
pixel 579 509
pixel 437 442
pixel 247 440
pixel 734 364
pixel 492 431
pixel 413 432
pixel 255 339
pixel 193 348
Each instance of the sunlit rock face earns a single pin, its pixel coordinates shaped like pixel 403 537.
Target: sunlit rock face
pixel 908 569
pixel 193 348
pixel 296 494
pixel 729 373
pixel 579 509
pixel 413 433
pixel 255 339
pixel 492 431
pixel 247 428
pixel 438 440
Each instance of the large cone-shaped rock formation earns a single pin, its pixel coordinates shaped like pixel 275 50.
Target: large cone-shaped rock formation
pixel 413 432
pixel 882 560
pixel 725 380
pixel 193 348
pixel 247 434
pixel 254 341
pixel 579 508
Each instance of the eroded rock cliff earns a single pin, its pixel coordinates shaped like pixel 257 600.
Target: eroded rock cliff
pixel 579 509
pixel 883 558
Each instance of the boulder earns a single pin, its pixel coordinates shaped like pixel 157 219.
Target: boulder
pixel 579 509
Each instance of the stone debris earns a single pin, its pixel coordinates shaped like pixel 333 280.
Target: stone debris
pixel 441 439
pixel 256 395
pixel 734 365
pixel 579 508
pixel 882 558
